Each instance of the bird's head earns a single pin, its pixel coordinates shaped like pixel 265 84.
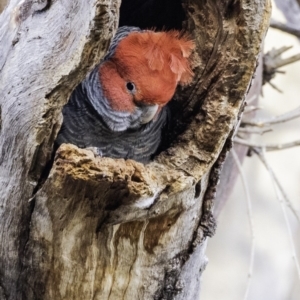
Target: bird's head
pixel 144 71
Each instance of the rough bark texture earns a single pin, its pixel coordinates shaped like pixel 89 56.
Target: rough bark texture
pixel 230 171
pixel 291 11
pixel 98 228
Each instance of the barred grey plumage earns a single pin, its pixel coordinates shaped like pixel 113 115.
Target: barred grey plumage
pixel 120 107
pixel 89 120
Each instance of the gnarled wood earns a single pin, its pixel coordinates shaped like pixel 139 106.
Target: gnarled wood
pixel 45 52
pixel 97 227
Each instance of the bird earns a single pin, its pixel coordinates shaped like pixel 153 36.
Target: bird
pixel 120 109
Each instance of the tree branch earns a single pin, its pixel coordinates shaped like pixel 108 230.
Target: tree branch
pixel 268 147
pixel 94 223
pixel 250 218
pixel 280 195
pixel 273 61
pixel 285 28
pixel 291 11
pixel 293 114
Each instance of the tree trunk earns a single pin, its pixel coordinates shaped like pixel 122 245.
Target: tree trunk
pixel 85 227
pixel 230 171
pixel 2 5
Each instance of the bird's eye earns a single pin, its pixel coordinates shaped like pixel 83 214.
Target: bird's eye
pixel 130 87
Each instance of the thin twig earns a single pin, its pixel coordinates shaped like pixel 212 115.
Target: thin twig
pixel 288 201
pixel 250 108
pixel 273 59
pixel 268 147
pixel 280 72
pixel 276 52
pixel 293 114
pixel 250 218
pixel 254 130
pixel 284 194
pixel 275 87
pixel 285 28
pixel 261 155
pixel 288 60
pixel 286 198
pixel 251 99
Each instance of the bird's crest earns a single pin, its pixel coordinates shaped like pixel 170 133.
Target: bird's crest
pixel 163 51
pixel 153 63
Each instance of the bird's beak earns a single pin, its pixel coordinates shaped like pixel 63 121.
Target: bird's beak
pixel 149 112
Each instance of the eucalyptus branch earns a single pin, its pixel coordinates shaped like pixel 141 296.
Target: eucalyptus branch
pixel 250 108
pixel 250 218
pixel 268 147
pixel 280 197
pixel 293 114
pixel 254 130
pixel 251 99
pixel 275 87
pixel 285 28
pixel 273 60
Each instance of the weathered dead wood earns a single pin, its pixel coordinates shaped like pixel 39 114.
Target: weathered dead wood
pixel 230 172
pixel 44 54
pixel 96 227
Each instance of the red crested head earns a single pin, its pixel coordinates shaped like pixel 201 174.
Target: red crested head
pixel 146 68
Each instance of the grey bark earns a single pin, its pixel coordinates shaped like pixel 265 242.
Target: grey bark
pixel 98 228
pixel 230 171
pixel 291 11
pixel 2 5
